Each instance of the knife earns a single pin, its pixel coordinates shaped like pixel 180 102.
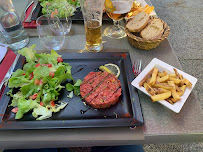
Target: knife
pixel 33 8
pixel 24 12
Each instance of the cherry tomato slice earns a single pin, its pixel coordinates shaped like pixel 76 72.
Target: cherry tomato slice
pixel 15 110
pixel 36 81
pixel 52 103
pixel 40 82
pixel 37 65
pixel 51 73
pixel 41 103
pixel 34 96
pixel 59 59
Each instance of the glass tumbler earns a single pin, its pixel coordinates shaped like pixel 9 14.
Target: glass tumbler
pixel 92 11
pixel 51 32
pixel 63 11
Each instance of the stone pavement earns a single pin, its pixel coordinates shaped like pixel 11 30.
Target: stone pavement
pixel 186 38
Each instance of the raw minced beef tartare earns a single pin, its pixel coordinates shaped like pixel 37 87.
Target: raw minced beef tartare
pixel 100 89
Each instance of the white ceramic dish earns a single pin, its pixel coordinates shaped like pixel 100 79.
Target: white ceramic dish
pixel 162 66
pixel 143 3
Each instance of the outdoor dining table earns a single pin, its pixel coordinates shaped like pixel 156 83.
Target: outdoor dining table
pixel 161 125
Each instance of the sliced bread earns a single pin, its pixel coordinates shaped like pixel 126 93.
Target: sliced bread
pixel 153 30
pixel 137 23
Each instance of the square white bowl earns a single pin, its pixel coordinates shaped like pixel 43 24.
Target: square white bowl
pixel 162 66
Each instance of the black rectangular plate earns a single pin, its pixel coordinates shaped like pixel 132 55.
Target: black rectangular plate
pixel 77 17
pixel 127 112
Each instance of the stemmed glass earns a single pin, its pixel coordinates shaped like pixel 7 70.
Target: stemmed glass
pixel 117 10
pixel 51 32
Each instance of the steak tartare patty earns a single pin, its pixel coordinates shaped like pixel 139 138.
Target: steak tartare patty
pixel 100 89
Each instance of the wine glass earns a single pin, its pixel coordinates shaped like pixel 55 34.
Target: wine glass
pixel 51 32
pixel 63 11
pixel 117 10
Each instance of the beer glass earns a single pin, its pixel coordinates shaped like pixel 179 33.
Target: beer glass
pixel 117 10
pixel 92 11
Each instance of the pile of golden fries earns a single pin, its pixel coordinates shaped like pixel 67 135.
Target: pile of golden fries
pixel 137 8
pixel 164 86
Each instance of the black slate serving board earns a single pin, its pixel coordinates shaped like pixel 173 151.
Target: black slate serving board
pixel 127 112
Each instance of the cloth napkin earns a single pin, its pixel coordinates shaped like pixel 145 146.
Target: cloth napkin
pixel 3 51
pixel 31 24
pixel 5 66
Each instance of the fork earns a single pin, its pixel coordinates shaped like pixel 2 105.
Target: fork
pixel 137 66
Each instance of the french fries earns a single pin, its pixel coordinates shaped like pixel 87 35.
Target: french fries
pixel 164 86
pixel 163 79
pixel 162 96
pixel 154 76
pixel 147 76
pixel 137 8
pixel 149 89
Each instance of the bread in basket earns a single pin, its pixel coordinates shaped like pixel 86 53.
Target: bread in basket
pixel 148 36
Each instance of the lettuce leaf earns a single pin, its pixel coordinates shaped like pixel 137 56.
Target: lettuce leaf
pixel 16 98
pixel 54 54
pixel 24 106
pixel 41 72
pixel 29 53
pixel 75 87
pixel 16 82
pixel 41 111
pixel 18 73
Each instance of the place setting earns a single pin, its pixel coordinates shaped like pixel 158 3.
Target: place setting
pixel 89 88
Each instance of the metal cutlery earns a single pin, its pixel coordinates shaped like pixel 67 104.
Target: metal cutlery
pixel 137 67
pixel 24 12
pixel 33 8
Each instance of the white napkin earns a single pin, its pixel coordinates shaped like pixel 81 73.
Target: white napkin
pixel 3 50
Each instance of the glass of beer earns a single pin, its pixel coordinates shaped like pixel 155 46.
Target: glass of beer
pixel 117 10
pixel 92 11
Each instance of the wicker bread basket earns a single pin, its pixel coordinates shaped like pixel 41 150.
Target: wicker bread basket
pixel 144 44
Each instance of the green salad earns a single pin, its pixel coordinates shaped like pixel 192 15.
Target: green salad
pixel 38 84
pixel 61 8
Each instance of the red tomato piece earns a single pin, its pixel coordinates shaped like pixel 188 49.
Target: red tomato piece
pixel 23 73
pixel 36 81
pixel 31 76
pixel 37 65
pixel 48 65
pixel 15 110
pixel 41 103
pixel 34 96
pixel 59 59
pixel 52 103
pixel 51 73
pixel 40 82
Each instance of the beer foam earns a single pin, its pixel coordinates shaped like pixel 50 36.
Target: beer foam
pixel 122 7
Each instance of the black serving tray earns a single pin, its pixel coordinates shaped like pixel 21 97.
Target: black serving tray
pixel 77 17
pixel 76 114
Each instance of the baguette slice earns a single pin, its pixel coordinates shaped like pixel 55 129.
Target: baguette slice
pixel 137 23
pixel 154 30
